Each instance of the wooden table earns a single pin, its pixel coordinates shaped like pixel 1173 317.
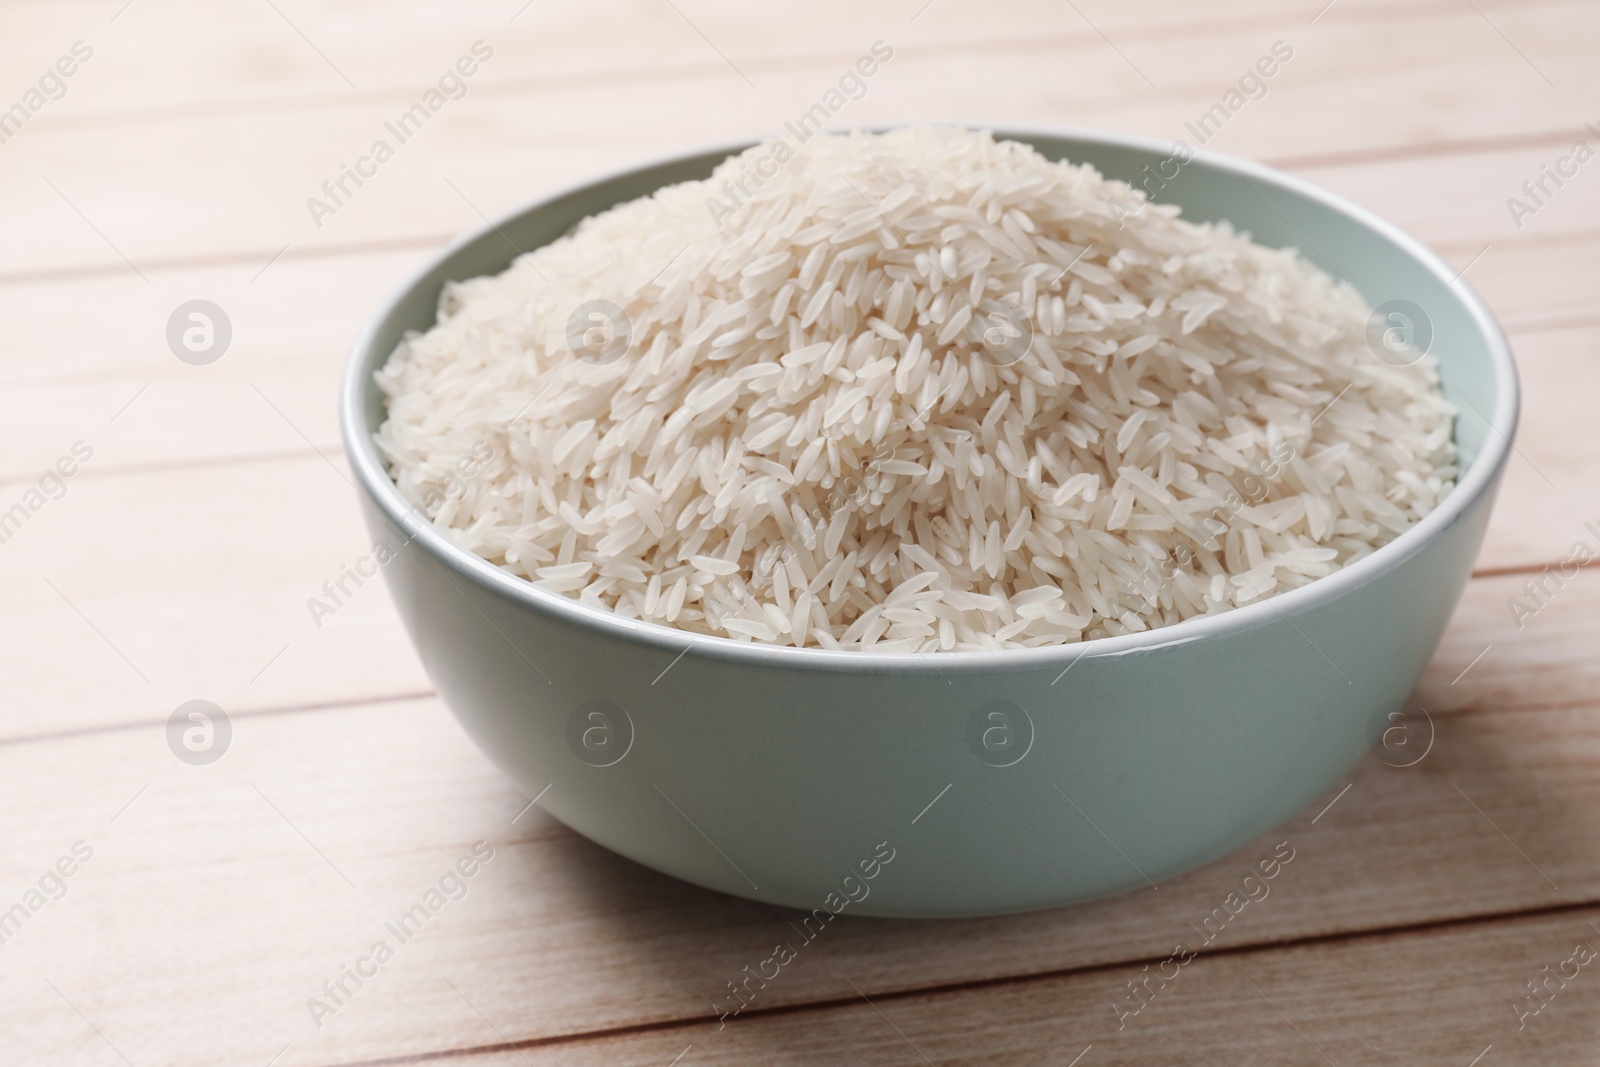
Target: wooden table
pixel 207 904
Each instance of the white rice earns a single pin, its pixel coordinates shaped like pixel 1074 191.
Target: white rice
pixel 806 441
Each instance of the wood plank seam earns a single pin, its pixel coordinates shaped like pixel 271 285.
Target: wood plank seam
pixel 284 709
pixel 166 466
pixel 1464 146
pixel 252 257
pixel 1527 568
pixel 1555 320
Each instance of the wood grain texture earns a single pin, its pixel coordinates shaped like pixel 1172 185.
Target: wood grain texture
pixel 340 819
pixel 499 148
pixel 1438 995
pixel 218 899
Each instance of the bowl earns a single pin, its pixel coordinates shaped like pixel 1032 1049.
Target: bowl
pixel 959 783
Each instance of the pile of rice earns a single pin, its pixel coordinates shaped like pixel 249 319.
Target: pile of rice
pixel 827 424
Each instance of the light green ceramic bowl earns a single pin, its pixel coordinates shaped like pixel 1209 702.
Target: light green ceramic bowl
pixel 994 780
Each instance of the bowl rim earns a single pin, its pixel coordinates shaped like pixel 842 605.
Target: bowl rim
pixel 1481 476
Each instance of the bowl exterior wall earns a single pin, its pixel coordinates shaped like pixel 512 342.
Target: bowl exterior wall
pixel 777 783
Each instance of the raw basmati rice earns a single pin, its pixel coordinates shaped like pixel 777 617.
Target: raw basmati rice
pixel 915 391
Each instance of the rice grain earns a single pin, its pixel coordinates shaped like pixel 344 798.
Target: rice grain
pixel 928 391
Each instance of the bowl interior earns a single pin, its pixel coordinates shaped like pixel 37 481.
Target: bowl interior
pixel 491 250
pixel 1383 264
pixel 1277 210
